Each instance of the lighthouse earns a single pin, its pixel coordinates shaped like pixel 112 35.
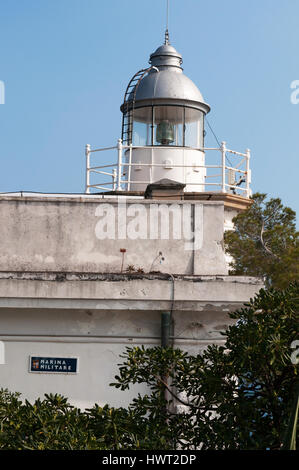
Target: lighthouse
pixel 137 259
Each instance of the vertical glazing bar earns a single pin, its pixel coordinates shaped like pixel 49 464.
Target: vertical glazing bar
pixel 152 133
pixel 151 168
pixel 223 152
pixel 184 126
pixel 87 177
pixel 119 164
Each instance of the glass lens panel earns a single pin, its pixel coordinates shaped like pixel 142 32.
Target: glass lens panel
pixel 193 128
pixel 168 125
pixel 142 127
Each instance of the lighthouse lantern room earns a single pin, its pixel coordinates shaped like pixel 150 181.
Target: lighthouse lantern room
pixel 163 130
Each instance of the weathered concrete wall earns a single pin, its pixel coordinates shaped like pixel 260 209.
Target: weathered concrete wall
pixel 62 292
pixel 124 292
pixel 66 234
pixel 95 317
pixel 97 339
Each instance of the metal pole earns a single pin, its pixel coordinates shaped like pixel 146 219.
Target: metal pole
pixel 87 181
pixel 248 173
pixel 167 20
pixel 119 165
pixel 223 152
pixel 165 329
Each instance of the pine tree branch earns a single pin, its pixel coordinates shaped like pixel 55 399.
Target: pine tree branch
pixel 264 244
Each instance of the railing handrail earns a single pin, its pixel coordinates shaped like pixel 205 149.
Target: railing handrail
pixel 117 173
pixel 199 149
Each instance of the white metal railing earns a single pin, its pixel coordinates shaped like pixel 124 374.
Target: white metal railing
pixel 226 180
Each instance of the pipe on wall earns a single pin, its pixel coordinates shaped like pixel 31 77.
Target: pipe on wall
pixel 165 329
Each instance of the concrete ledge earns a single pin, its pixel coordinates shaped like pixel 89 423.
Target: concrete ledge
pixel 115 292
pixel 125 276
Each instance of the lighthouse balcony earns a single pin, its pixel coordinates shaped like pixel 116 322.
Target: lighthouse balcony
pixel 133 168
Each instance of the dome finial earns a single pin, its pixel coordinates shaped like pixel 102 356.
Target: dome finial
pixel 166 42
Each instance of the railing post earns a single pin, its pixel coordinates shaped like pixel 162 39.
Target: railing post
pixel 114 177
pixel 129 168
pixel 248 173
pixel 119 164
pixel 87 177
pixel 223 152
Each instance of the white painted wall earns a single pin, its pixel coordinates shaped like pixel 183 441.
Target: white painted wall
pixel 177 164
pixel 52 318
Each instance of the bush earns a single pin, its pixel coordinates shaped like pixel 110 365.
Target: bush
pixel 242 395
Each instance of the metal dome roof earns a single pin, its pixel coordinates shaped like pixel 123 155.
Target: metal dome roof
pixel 166 81
pixel 168 84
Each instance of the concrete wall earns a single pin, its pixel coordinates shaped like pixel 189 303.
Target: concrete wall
pixel 96 319
pixel 97 368
pixel 96 338
pixel 65 292
pixel 68 234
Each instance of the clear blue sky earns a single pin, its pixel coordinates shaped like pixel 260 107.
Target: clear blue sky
pixel 66 63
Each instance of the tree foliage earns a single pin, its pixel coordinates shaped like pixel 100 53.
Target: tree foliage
pixel 265 242
pixel 51 423
pixel 237 396
pixel 54 424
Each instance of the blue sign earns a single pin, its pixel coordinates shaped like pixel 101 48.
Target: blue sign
pixel 59 365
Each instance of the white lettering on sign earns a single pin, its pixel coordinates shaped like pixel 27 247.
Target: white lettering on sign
pixel 54 365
